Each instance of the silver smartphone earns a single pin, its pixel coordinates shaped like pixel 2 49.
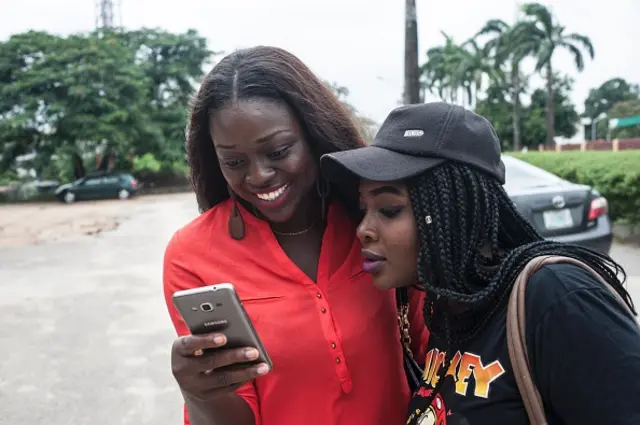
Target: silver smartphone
pixel 217 308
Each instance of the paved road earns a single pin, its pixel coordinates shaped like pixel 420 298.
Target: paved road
pixel 629 257
pixel 84 335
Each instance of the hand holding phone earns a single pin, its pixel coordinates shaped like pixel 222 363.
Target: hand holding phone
pixel 224 351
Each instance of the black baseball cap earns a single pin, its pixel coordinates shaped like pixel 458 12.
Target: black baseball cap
pixel 415 138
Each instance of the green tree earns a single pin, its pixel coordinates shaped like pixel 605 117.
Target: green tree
pixel 438 72
pixel 566 119
pixel 173 65
pixel 547 37
pixel 496 107
pixel 602 99
pixel 118 92
pixel 609 93
pixel 626 108
pixel 79 92
pixel 508 48
pixel 455 72
pixel 473 64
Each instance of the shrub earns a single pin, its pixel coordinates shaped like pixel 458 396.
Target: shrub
pixel 153 173
pixel 146 163
pixel 616 175
pixel 8 177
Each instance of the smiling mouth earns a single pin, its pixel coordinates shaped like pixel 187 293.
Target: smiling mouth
pixel 272 196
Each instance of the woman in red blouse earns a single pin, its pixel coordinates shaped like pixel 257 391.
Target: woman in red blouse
pixel 286 240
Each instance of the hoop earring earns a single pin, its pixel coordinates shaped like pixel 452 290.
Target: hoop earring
pixel 323 188
pixel 236 223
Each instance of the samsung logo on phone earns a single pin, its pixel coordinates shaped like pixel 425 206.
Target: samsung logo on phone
pixel 215 323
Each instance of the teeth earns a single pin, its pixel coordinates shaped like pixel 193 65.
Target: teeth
pixel 272 196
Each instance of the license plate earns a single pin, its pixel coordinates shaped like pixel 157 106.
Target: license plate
pixel 557 219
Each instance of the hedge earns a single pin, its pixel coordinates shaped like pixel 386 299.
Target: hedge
pixel 616 175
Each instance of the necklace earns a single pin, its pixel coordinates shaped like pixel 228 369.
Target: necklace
pixel 301 232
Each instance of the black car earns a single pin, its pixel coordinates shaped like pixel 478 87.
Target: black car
pixel 558 209
pixel 98 186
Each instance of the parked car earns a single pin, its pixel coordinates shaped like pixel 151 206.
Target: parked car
pixel 46 186
pixel 98 186
pixel 558 209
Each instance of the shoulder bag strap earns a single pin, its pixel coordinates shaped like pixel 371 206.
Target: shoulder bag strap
pixel 516 332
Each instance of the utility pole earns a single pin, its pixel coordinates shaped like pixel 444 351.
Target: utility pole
pixel 411 68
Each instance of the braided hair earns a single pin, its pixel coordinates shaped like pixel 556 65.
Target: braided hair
pixel 472 250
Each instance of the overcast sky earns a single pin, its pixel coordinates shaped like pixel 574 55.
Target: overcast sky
pixel 356 43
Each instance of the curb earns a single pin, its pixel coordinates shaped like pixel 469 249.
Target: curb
pixel 633 280
pixel 626 233
pixel 164 190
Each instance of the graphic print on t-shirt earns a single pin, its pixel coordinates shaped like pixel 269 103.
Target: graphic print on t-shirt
pixel 465 369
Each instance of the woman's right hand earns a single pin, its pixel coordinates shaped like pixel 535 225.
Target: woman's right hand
pixel 199 374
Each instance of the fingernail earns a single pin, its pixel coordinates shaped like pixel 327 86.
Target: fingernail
pixel 262 369
pixel 219 339
pixel 251 353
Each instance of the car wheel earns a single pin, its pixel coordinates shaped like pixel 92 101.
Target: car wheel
pixel 123 194
pixel 69 197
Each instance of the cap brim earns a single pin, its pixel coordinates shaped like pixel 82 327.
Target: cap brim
pixel 374 163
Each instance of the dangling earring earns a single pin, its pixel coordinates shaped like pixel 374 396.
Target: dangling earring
pixel 323 188
pixel 236 223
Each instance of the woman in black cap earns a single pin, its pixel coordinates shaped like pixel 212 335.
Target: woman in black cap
pixel 436 213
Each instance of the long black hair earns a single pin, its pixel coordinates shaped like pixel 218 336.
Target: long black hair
pixel 272 74
pixel 473 249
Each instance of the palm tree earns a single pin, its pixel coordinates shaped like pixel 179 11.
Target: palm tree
pixel 506 48
pixel 543 36
pixel 455 72
pixel 440 70
pixel 472 66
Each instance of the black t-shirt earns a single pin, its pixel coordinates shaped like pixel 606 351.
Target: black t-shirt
pixel 584 349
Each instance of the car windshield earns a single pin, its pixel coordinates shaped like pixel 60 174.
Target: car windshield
pixel 522 175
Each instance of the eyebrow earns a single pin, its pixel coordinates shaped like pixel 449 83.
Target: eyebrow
pixel 386 189
pixel 259 141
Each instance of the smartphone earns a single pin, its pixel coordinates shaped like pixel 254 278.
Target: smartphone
pixel 217 308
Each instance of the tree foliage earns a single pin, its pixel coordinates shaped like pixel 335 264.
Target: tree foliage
pixel 497 107
pixel 456 72
pixel 602 99
pixel 124 93
pixel 615 98
pixel 627 108
pixel 544 36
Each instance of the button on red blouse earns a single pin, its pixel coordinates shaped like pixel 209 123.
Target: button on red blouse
pixel 334 343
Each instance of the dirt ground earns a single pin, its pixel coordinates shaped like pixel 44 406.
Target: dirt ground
pixel 30 224
pixel 84 333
